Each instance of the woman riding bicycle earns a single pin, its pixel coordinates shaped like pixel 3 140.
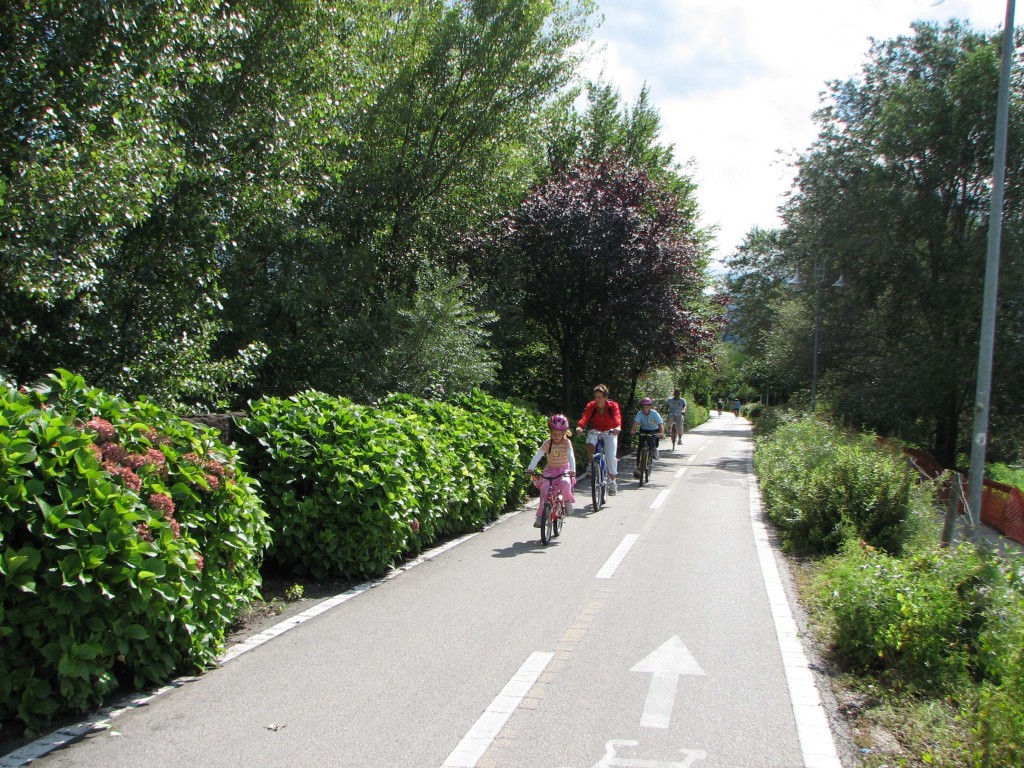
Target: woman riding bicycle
pixel 602 416
pixel 652 429
pixel 561 463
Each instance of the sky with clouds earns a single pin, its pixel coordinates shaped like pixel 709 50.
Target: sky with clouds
pixel 736 82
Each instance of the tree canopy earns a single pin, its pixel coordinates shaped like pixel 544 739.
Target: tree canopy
pixel 894 197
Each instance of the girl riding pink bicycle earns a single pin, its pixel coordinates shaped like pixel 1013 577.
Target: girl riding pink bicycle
pixel 560 463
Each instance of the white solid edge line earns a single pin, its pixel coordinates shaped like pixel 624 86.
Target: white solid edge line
pixel 480 737
pixel 101 719
pixel 812 727
pixel 608 569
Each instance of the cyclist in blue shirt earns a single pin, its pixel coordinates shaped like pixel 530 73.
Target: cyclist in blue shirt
pixel 649 422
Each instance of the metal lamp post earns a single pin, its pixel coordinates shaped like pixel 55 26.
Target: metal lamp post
pixel 796 284
pixel 976 476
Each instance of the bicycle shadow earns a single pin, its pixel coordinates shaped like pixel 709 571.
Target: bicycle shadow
pixel 532 547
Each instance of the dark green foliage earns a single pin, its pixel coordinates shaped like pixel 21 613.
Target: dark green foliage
pixel 352 488
pixel 822 487
pixel 894 195
pixel 129 541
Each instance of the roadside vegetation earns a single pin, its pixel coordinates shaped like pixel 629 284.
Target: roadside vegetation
pixel 340 220
pixel 926 642
pixel 132 540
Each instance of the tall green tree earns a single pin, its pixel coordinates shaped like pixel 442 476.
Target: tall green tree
pixel 894 195
pixel 136 142
pixel 438 142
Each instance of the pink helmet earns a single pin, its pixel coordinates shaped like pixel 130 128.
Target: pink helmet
pixel 558 421
pixel 647 401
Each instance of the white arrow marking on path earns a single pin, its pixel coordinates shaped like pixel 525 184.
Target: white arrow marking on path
pixel 666 664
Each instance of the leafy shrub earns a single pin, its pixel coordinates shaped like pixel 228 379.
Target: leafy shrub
pixel 129 541
pixel 1000 718
pixel 919 616
pixel 1007 475
pixel 771 418
pixel 696 414
pixel 821 487
pixel 352 489
pixel 520 431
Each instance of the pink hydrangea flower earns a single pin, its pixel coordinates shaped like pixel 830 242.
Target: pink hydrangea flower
pixel 200 562
pixel 114 453
pixel 415 526
pixel 175 526
pixel 104 430
pixel 144 532
pixel 213 481
pixel 129 478
pixel 133 460
pixel 162 503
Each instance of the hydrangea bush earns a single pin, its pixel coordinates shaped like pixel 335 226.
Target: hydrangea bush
pixel 352 489
pixel 129 542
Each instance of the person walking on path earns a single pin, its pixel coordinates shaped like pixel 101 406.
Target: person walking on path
pixel 602 418
pixel 677 413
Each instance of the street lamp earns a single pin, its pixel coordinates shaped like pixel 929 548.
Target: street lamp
pixel 796 284
pixel 983 393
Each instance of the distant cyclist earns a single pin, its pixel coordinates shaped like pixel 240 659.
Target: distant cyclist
pixel 676 413
pixel 603 415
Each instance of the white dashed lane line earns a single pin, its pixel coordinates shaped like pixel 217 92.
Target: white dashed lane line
pixel 608 569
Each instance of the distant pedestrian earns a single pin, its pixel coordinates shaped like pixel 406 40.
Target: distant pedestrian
pixel 736 405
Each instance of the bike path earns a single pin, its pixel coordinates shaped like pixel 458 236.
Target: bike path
pixel 643 636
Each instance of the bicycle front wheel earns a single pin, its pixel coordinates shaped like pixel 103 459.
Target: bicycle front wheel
pixel 545 525
pixel 643 465
pixel 596 483
pixel 558 515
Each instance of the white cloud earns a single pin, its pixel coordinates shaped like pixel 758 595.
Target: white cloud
pixel 736 82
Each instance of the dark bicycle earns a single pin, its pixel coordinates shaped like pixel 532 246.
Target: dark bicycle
pixel 598 472
pixel 552 516
pixel 677 429
pixel 645 454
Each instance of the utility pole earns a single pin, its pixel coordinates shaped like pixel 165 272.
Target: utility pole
pixel 983 392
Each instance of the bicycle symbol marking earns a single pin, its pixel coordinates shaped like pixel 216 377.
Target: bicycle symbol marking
pixel 611 759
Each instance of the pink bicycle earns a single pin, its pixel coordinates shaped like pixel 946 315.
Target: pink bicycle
pixel 552 515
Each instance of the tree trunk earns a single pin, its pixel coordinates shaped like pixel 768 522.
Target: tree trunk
pixel 946 432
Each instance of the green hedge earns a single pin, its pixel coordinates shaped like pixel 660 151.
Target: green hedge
pixel 822 487
pixel 352 489
pixel 129 541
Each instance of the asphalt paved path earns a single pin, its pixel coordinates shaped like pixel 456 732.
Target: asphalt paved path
pixel 644 636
